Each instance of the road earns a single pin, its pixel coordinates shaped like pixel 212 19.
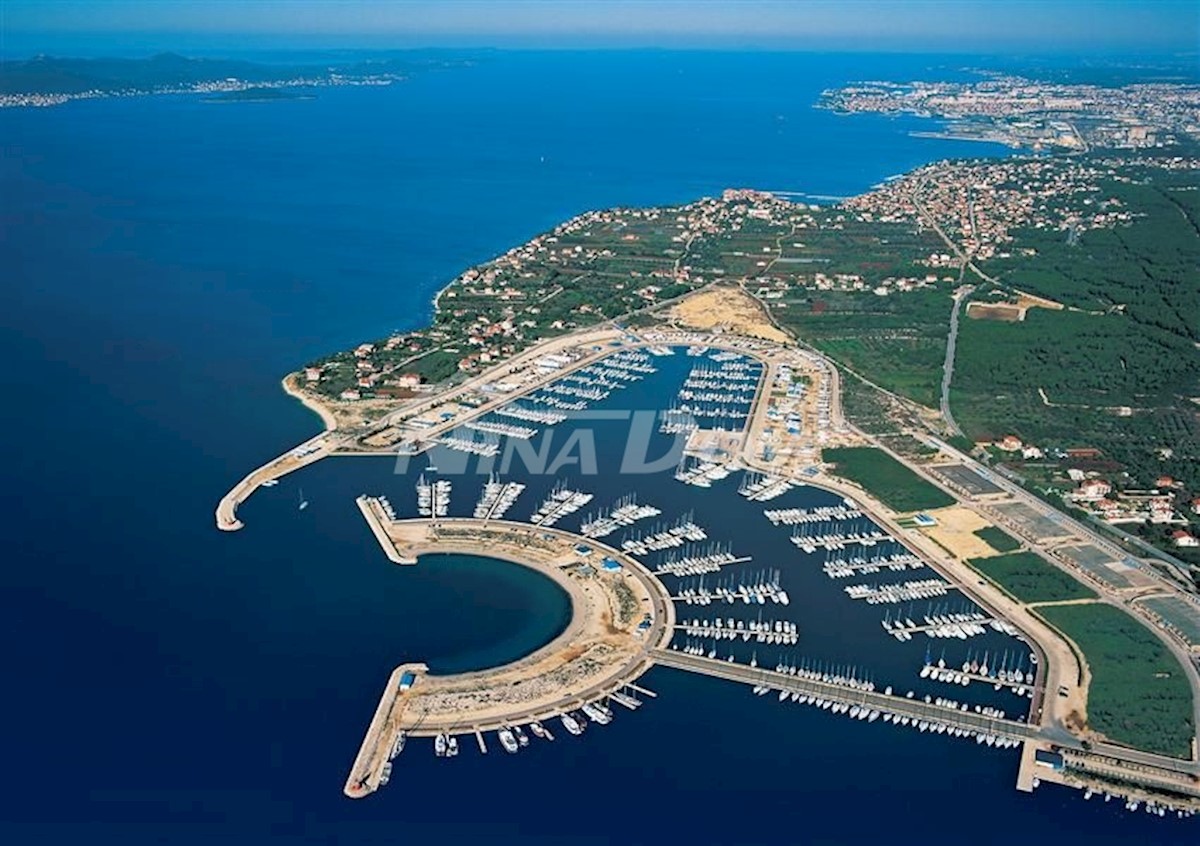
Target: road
pixel 960 297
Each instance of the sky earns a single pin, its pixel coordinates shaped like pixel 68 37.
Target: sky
pixel 1043 26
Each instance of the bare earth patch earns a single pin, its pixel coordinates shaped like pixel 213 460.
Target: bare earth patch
pixel 955 531
pixel 727 309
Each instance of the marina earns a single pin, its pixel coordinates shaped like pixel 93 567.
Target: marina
pixel 937 623
pixel 685 536
pixel 625 512
pixel 760 487
pixel 683 530
pixel 759 590
pixel 508 430
pixel 810 537
pixel 433 498
pixel 841 566
pixel 796 516
pixel 488 446
pixel 1014 672
pixel 782 632
pixel 695 471
pixel 694 559
pixel 518 411
pixel 561 502
pixel 902 592
pixel 496 498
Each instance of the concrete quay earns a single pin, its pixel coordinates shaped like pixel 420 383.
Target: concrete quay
pixel 617 618
pixel 377 745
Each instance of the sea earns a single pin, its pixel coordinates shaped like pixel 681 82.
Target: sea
pixel 167 260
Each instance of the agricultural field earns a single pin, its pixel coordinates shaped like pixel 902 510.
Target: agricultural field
pixel 1139 695
pixel 886 479
pixel 998 539
pixel 1116 369
pixel 1030 578
pixel 896 341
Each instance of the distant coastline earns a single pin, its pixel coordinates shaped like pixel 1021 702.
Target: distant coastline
pixel 259 95
pixel 51 81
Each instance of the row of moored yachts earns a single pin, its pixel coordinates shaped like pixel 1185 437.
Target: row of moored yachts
pixel 923 724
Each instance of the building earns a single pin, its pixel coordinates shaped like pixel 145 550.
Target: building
pixel 1181 538
pixel 1045 758
pixel 1009 443
pixel 1092 490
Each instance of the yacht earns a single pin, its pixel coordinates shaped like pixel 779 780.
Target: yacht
pixel 507 740
pixel 596 715
pixel 398 745
pixel 571 724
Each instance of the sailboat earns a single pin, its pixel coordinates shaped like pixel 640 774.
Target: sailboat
pixel 303 501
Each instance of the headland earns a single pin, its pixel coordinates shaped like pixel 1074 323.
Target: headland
pixel 779 412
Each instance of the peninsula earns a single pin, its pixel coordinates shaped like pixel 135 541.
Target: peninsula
pixel 843 350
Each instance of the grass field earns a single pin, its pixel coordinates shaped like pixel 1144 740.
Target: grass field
pixel 997 539
pixel 1031 578
pixel 1139 695
pixel 886 479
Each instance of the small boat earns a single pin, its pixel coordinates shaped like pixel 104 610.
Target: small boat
pixel 270 483
pixel 522 738
pixel 439 746
pixel 303 501
pixel 451 746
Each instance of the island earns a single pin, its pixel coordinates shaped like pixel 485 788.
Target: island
pixel 942 375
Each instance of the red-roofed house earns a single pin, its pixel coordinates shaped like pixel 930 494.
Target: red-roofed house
pixel 1182 538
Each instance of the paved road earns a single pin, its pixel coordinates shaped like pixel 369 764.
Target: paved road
pixel 960 297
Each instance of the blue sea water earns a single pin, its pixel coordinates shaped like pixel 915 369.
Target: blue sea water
pixel 167 260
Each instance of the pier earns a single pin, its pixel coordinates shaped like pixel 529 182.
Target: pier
pixel 307 453
pixel 915 709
